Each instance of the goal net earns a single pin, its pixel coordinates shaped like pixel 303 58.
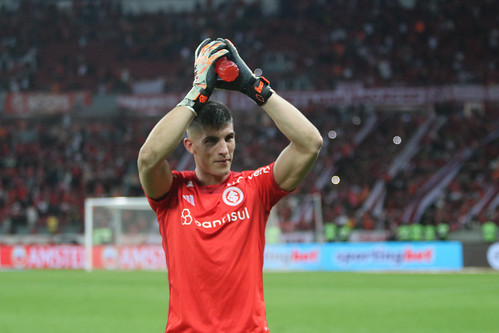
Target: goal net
pixel 296 219
pixel 123 232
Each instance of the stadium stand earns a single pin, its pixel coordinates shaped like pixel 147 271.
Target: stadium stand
pixel 448 173
pixel 306 45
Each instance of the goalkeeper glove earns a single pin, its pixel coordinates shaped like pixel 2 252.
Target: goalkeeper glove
pixel 256 87
pixel 204 74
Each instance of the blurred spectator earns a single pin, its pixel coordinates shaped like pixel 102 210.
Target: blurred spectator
pixel 301 45
pixel 50 164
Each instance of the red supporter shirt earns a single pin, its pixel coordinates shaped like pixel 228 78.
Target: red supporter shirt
pixel 214 239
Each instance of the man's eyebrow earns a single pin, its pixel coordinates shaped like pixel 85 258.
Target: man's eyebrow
pixel 216 137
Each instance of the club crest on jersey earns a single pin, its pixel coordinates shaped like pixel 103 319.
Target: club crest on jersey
pixel 233 196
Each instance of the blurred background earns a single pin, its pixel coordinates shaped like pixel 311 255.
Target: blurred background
pixel 405 94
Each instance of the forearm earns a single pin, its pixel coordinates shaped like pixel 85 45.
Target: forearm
pixel 164 137
pixel 295 161
pixel 293 124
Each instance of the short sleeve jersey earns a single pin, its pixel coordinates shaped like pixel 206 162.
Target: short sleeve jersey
pixel 214 239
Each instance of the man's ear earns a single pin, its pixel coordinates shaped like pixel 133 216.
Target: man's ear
pixel 188 144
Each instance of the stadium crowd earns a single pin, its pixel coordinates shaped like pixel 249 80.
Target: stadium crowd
pixel 303 45
pixel 50 164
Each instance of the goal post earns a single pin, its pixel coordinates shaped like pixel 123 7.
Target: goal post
pixel 118 221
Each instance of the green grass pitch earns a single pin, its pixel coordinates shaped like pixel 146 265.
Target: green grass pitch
pixel 102 301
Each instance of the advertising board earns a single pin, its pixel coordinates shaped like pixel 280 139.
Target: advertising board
pixel 365 256
pixel 375 256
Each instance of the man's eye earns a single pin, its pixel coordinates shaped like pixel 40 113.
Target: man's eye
pixel 211 141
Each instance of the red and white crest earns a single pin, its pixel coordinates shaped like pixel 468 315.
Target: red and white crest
pixel 233 196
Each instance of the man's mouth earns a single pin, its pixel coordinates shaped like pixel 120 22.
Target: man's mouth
pixel 225 161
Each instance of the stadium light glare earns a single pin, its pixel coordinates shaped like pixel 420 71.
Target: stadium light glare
pixel 332 134
pixel 335 180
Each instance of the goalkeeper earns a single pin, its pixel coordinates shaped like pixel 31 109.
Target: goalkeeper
pixel 212 220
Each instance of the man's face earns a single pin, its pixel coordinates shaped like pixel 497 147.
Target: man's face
pixel 213 151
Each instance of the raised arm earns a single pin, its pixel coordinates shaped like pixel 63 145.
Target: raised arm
pixel 154 171
pixel 296 160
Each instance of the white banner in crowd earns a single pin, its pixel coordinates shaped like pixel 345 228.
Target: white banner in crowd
pixel 154 104
pixel 45 103
pixel 340 97
pixel 148 104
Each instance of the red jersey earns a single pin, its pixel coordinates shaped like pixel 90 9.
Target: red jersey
pixel 214 239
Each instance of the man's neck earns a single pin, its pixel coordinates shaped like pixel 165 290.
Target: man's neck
pixel 208 179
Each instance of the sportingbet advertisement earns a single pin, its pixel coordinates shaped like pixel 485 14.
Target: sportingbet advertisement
pixel 365 256
pixel 285 257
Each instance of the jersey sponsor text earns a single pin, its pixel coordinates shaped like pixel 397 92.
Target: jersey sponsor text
pixel 235 216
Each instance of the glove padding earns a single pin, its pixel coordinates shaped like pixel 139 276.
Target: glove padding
pixel 256 87
pixel 207 53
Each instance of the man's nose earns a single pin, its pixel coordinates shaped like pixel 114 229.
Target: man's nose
pixel 223 148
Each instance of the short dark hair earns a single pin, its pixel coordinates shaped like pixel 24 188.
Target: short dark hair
pixel 213 115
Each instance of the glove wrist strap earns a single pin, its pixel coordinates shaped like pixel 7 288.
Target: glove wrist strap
pixel 259 90
pixel 195 99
